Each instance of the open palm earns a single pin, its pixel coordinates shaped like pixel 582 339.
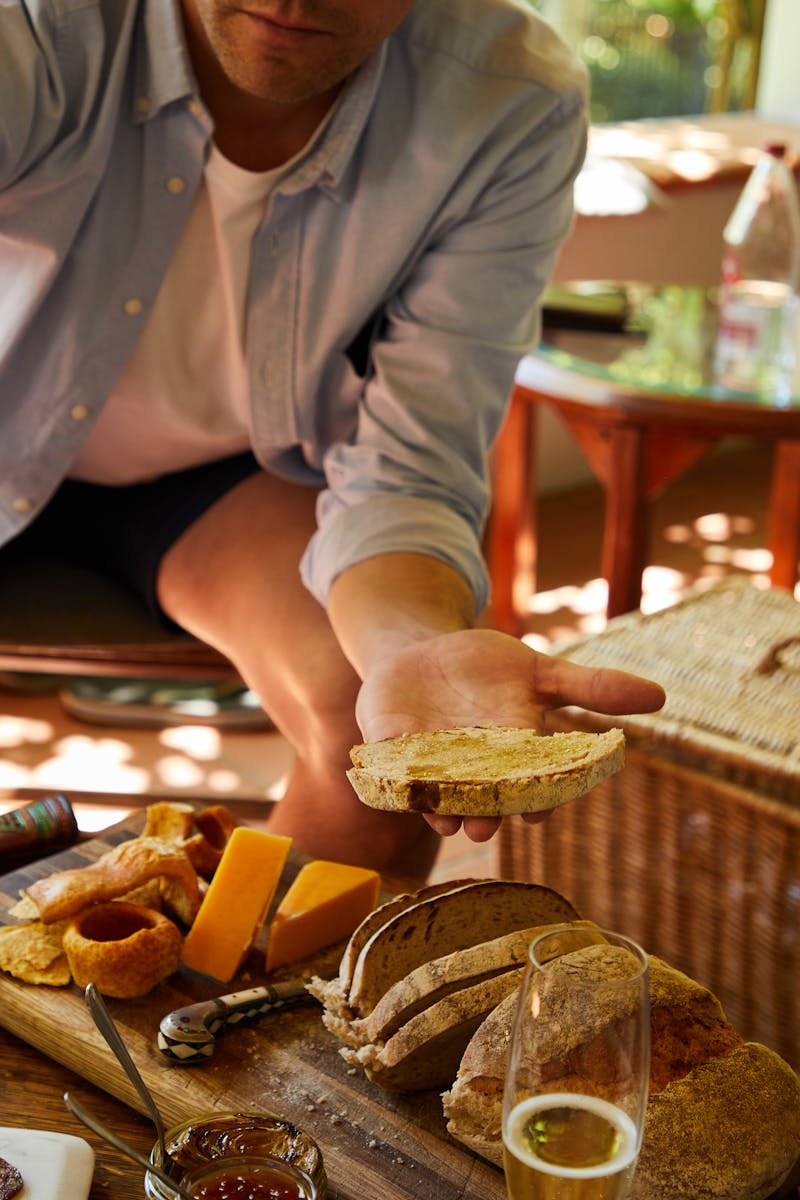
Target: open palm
pixel 483 677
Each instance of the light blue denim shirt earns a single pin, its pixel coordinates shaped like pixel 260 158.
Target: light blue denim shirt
pixel 425 216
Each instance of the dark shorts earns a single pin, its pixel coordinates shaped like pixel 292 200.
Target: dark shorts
pixel 124 532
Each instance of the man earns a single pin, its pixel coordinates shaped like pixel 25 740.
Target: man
pixel 315 230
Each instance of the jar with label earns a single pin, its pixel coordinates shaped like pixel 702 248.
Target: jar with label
pixel 758 299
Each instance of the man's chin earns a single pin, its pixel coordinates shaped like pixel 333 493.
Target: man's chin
pixel 280 87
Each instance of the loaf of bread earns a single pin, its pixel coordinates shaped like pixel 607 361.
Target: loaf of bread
pixel 421 974
pixel 483 771
pixel 723 1116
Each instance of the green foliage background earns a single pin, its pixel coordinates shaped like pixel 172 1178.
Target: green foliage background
pixel 653 58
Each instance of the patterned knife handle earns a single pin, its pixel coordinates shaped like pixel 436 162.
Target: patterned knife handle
pixel 187 1035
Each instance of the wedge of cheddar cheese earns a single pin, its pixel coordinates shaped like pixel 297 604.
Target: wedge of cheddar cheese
pixel 236 904
pixel 326 902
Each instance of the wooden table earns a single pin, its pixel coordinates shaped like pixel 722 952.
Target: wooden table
pixel 32 1087
pixel 375 1143
pixel 642 413
pixel 407 1154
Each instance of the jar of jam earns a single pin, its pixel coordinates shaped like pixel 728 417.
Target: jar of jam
pixel 227 1140
pixel 245 1177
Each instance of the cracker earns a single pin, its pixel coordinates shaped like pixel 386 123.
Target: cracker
pixel 34 953
pixel 25 908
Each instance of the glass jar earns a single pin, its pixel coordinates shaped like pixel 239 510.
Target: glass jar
pixel 213 1137
pixel 247 1177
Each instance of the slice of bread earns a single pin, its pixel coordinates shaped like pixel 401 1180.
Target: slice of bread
pixel 425 1051
pixel 483 771
pixel 334 994
pixel 379 917
pixel 434 980
pixel 440 924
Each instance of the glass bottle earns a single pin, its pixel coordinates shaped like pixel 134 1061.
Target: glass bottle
pixel 758 300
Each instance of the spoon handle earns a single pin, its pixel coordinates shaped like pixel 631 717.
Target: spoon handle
pixel 103 1021
pixel 102 1131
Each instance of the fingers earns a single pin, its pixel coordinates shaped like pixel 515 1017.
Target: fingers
pixel 481 829
pixel 559 682
pixel 535 818
pixel 444 826
pixel 477 829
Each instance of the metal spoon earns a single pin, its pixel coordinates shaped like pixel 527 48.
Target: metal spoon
pixel 104 1022
pixel 97 1126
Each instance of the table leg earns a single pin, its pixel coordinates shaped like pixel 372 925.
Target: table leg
pixel 511 550
pixel 784 514
pixel 626 520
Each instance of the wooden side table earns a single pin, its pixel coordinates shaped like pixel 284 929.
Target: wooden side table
pixel 638 429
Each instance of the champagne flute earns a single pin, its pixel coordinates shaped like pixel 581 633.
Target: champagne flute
pixel 575 1093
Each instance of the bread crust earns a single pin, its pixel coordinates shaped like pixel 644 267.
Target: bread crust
pixel 483 771
pixel 730 1130
pixel 116 872
pixel 723 1116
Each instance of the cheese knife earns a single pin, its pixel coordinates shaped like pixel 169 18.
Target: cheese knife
pixel 187 1035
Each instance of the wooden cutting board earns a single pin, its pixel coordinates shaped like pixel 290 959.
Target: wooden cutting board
pixel 375 1143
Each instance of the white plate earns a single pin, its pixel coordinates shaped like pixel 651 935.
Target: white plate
pixel 53 1166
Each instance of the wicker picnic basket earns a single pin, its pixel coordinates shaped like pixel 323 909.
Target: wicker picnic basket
pixel 694 847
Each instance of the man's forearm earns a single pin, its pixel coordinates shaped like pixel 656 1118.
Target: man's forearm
pixel 385 603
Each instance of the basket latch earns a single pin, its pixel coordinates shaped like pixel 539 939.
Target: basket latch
pixel 772 659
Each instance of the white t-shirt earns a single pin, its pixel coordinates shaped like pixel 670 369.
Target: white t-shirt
pixel 183 398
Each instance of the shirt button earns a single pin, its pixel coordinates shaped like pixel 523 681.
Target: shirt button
pixel 133 306
pixel 21 504
pixel 79 412
pixel 176 185
pixel 196 108
pixel 143 104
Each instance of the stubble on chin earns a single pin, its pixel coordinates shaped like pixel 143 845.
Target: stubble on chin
pixel 275 76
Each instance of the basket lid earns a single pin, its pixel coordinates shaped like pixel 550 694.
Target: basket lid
pixel 729 661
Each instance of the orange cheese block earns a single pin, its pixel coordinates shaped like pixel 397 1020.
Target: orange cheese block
pixel 325 903
pixel 236 903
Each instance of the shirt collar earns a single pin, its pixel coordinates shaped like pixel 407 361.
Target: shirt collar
pixel 328 156
pixel 164 74
pixel 162 66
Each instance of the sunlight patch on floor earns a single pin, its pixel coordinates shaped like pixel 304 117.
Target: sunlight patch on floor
pixel 578 609
pixel 17 731
pixel 195 762
pixel 198 741
pixel 77 759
